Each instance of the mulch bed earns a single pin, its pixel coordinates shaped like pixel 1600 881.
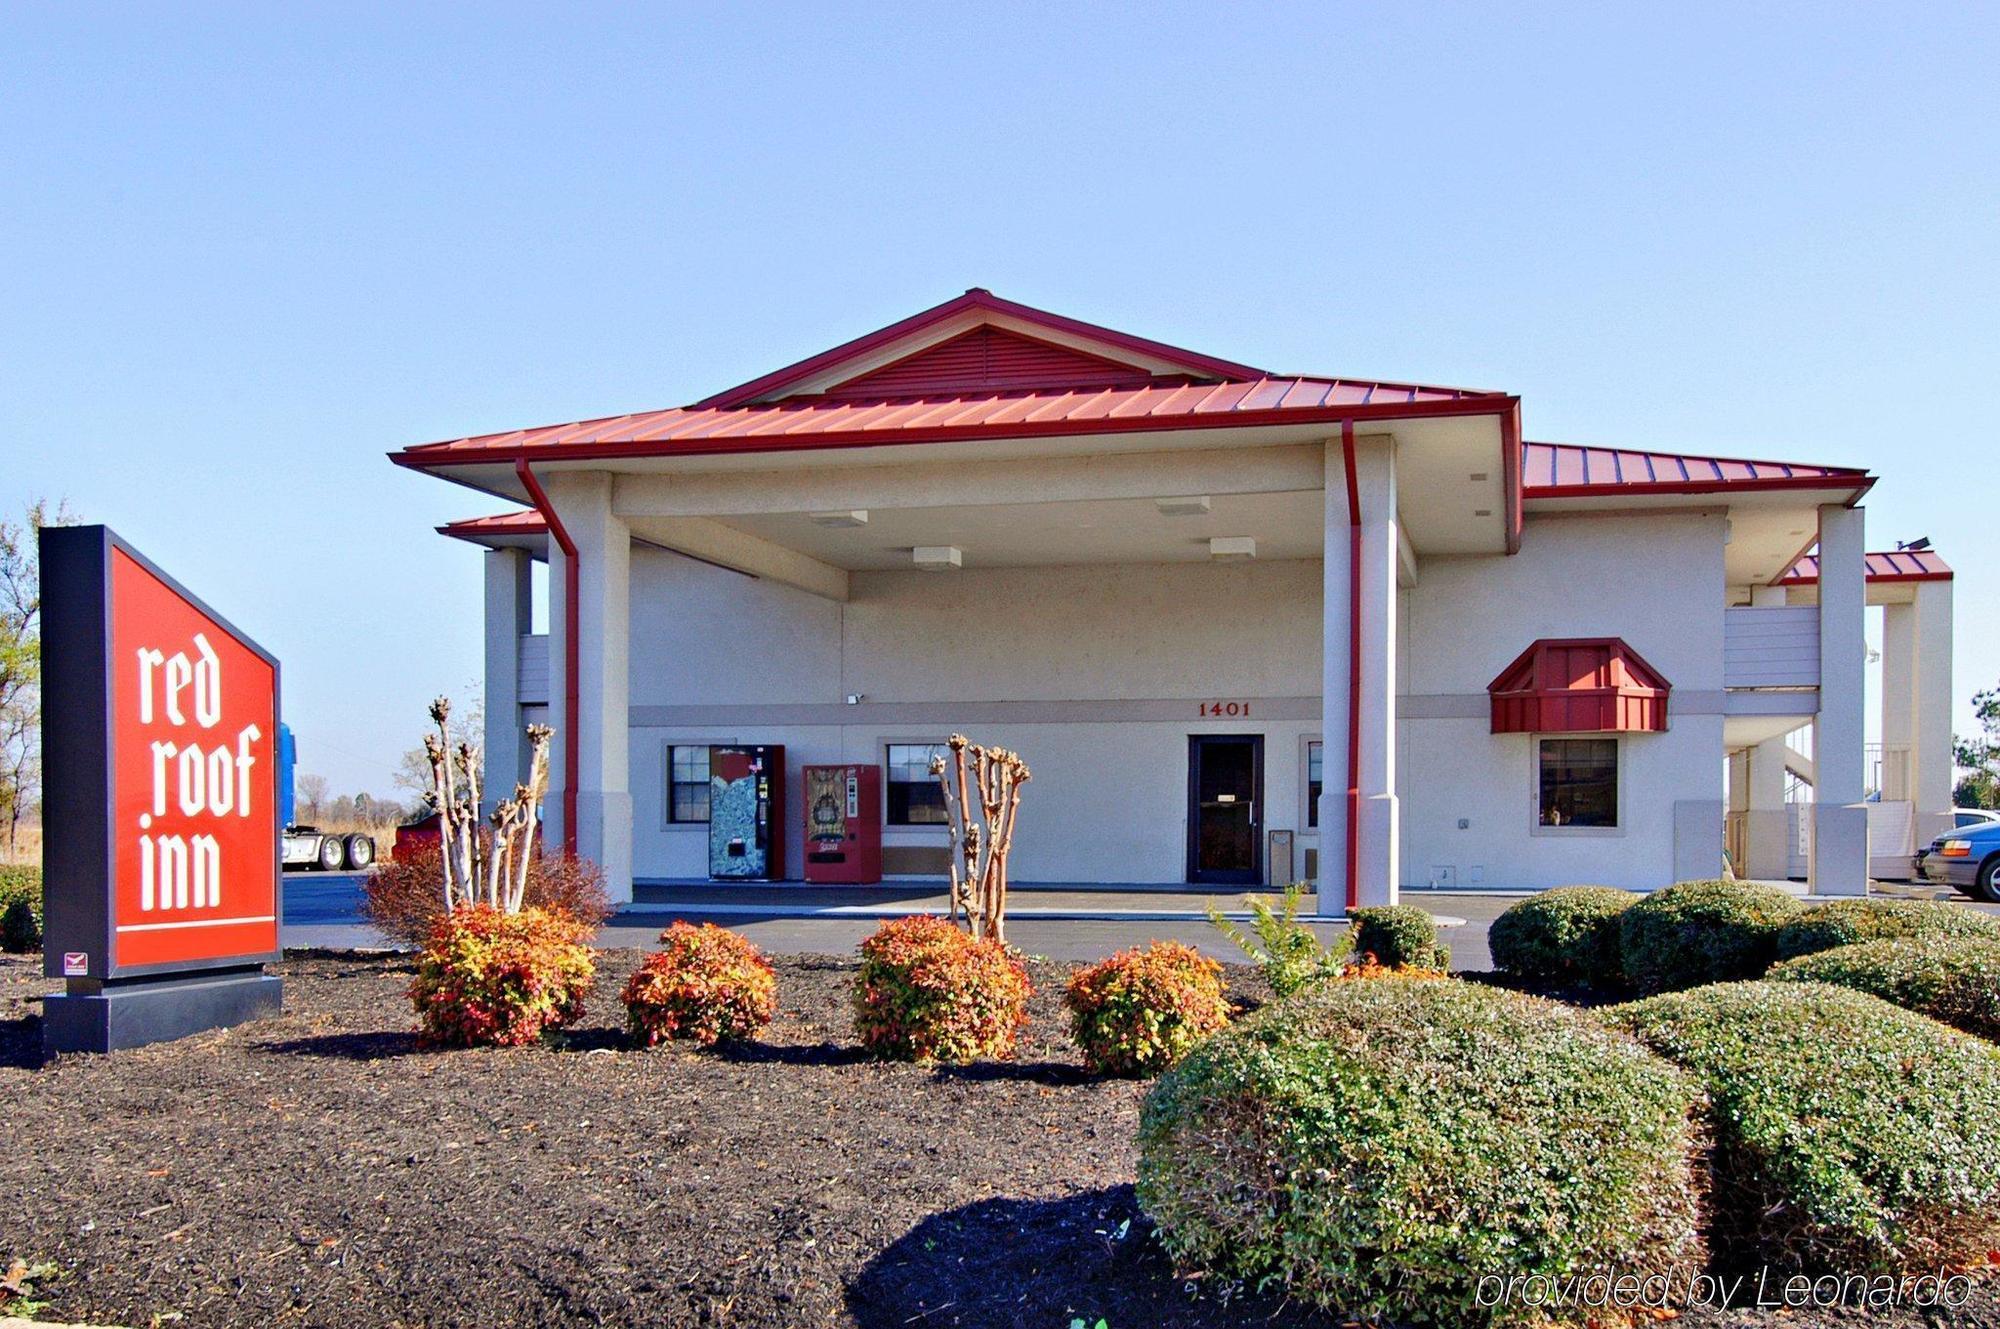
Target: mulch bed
pixel 321 1169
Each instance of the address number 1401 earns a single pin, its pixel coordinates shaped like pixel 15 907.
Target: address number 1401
pixel 1233 710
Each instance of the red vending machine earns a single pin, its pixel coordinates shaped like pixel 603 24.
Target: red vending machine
pixel 843 824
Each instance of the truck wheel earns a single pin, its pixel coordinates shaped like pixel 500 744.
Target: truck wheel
pixel 360 851
pixel 331 856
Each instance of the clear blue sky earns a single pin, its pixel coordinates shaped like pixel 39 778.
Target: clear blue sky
pixel 248 250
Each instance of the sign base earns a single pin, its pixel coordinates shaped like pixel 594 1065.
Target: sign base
pixel 129 1013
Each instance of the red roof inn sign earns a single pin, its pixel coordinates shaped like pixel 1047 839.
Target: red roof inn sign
pixel 159 741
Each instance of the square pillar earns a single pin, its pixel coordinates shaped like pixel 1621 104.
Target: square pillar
pixel 601 728
pixel 1377 839
pixel 1840 818
pixel 1767 827
pixel 509 607
pixel 1931 762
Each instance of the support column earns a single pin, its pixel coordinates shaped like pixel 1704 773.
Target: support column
pixel 1931 762
pixel 601 728
pixel 1840 818
pixel 509 606
pixel 1768 822
pixel 1377 872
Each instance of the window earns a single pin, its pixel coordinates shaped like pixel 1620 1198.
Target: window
pixel 1315 780
pixel 914 796
pixel 687 783
pixel 1579 782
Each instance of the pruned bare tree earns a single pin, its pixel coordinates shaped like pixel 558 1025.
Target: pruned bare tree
pixel 483 863
pixel 982 798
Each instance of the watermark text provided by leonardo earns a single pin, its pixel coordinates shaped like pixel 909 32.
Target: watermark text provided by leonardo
pixel 1763 1289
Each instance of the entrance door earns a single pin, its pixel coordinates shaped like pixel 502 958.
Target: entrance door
pixel 1226 808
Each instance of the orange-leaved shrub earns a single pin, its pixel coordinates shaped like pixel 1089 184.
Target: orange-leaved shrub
pixel 1367 966
pixel 709 984
pixel 404 897
pixel 1139 1011
pixel 488 977
pixel 928 991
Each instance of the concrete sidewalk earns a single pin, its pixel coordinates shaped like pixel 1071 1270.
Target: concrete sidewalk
pixel 1069 926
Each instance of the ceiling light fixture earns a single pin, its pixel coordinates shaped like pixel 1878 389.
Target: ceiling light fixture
pixel 1232 548
pixel 1193 505
pixel 937 558
pixel 851 517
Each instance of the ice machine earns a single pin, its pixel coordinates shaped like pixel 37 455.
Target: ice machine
pixel 746 813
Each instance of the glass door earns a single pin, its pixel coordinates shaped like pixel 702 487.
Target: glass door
pixel 1226 808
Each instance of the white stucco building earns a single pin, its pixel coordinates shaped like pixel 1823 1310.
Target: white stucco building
pixel 1208 604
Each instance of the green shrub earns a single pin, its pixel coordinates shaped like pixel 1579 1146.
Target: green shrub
pixel 1702 932
pixel 1399 936
pixel 1377 1147
pixel 1848 1134
pixel 1290 953
pixel 1956 982
pixel 488 977
pixel 928 991
pixel 20 930
pixel 708 984
pixel 1568 935
pixel 1138 1012
pixel 1846 922
pixel 20 894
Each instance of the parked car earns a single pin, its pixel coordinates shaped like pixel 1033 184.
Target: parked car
pixel 1961 818
pixel 1967 859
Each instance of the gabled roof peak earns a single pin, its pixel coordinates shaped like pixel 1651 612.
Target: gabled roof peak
pixel 1090 349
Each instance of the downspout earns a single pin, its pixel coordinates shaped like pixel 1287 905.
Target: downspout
pixel 1353 666
pixel 571 618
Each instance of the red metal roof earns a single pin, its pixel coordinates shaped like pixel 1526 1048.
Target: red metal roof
pixel 980 301
pixel 1565 470
pixel 1571 685
pixel 526 522
pixel 990 359
pixel 822 421
pixel 1887 566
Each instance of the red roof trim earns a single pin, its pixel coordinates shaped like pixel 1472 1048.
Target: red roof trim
pixel 1566 470
pixel 1579 685
pixel 893 423
pixel 526 522
pixel 1884 567
pixel 976 298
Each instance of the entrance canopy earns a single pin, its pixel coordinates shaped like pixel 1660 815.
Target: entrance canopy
pixel 993 435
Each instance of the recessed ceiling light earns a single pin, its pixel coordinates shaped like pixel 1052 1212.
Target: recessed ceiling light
pixel 851 517
pixel 1232 548
pixel 937 558
pixel 1193 505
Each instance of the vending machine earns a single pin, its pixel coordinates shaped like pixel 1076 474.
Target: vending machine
pixel 843 824
pixel 746 813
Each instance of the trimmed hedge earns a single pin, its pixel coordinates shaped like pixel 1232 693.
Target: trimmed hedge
pixel 20 908
pixel 1139 1011
pixel 1847 922
pixel 928 991
pixel 1377 1147
pixel 1956 982
pixel 1567 935
pixel 1700 932
pixel 1849 1135
pixel 1399 936
pixel 487 977
pixel 708 984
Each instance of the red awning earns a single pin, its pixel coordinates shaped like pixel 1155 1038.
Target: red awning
pixel 1579 685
